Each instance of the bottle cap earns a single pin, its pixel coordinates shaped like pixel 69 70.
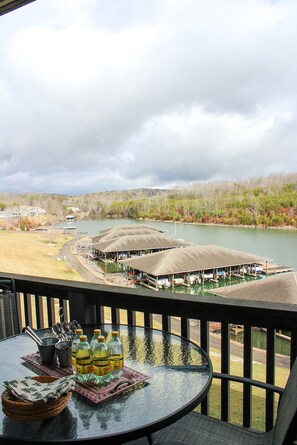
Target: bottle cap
pixel 97 332
pixel 101 338
pixel 115 333
pixel 79 331
pixel 83 338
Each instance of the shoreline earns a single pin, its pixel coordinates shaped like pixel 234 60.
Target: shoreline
pixel 237 226
pixel 52 222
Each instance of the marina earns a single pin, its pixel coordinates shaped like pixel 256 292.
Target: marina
pixel 277 244
pixel 272 242
pixel 147 256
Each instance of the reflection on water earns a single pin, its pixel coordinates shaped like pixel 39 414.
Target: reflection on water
pixel 259 340
pixel 111 267
pixel 202 289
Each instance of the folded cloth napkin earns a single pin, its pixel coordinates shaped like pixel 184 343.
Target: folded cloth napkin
pixel 29 389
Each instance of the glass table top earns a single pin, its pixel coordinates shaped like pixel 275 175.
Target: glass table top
pixel 179 373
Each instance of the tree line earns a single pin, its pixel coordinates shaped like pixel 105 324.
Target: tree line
pixel 260 202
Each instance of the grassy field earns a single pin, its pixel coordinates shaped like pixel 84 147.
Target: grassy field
pixel 35 254
pixel 236 394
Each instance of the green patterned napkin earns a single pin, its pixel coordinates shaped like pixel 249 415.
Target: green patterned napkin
pixel 29 389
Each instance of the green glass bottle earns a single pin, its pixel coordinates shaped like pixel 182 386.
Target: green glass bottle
pixel 84 366
pixel 101 362
pixel 116 353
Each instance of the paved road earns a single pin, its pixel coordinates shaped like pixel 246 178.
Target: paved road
pixel 88 276
pixel 259 355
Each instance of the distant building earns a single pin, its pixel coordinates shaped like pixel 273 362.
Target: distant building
pixel 29 211
pixel 73 209
pixel 22 212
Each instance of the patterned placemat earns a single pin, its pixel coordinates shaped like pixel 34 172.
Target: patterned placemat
pixel 91 391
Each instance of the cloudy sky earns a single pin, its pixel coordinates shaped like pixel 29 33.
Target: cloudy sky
pixel 118 94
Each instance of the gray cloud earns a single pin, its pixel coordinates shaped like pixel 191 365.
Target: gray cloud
pixel 99 95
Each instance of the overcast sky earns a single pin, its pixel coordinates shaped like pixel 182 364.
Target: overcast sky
pixel 118 94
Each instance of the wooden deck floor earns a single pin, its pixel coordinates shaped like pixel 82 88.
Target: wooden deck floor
pixel 273 269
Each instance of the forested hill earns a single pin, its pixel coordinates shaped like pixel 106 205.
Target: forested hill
pixel 266 202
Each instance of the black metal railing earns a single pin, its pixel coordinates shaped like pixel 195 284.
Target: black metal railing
pixel 38 301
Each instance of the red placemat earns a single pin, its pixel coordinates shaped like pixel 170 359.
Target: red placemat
pixel 91 391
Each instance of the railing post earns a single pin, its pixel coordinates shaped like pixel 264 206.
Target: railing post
pixel 185 327
pixel 81 309
pixel 204 342
pixel 49 311
pixel 270 377
pixel 115 315
pixel 225 365
pixel 19 312
pixel 166 323
pixel 38 312
pixel 247 372
pixel 99 314
pixel 26 310
pixel 131 317
pixel 148 320
pixel 9 321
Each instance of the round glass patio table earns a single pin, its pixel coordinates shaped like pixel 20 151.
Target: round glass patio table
pixel 179 372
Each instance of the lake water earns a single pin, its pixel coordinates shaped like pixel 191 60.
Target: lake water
pixel 259 340
pixel 279 245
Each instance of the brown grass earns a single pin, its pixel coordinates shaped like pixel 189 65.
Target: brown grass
pixel 35 254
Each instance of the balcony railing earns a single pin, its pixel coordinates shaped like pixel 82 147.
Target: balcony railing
pixel 38 301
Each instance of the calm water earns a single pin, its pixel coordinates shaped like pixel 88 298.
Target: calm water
pixel 279 245
pixel 259 340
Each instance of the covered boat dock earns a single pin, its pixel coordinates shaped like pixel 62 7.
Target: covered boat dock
pixel 127 246
pixel 278 289
pixel 129 227
pixel 119 231
pixel 193 265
